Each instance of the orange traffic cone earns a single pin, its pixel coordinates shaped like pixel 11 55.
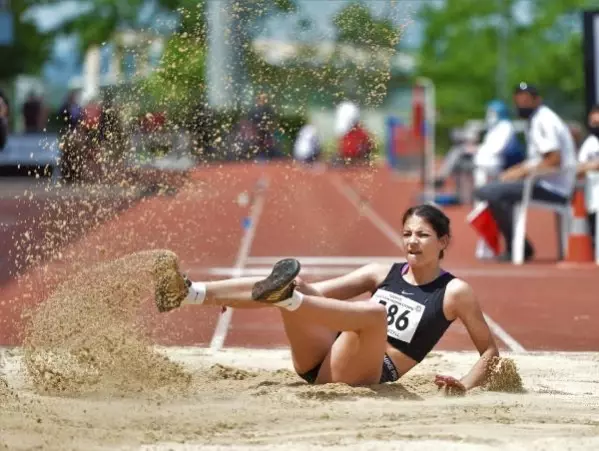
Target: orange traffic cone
pixel 580 246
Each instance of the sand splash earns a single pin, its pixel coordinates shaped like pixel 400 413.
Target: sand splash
pixel 86 336
pixel 504 376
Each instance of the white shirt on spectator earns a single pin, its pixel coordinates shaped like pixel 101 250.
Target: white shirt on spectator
pixel 307 143
pixel 489 154
pixel 547 132
pixel 589 150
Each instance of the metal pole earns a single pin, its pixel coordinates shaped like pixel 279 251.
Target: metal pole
pixel 429 148
pixel 502 48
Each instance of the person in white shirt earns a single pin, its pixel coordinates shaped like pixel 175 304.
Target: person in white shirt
pixel 588 156
pixel 307 147
pixel 551 149
pixel 498 150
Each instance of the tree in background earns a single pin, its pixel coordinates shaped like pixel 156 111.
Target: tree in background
pixel 29 50
pixel 464 41
pixel 309 78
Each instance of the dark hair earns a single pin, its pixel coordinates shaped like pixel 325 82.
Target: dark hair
pixel 433 216
pixel 594 109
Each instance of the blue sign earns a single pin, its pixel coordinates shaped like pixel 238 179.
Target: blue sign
pixel 6 28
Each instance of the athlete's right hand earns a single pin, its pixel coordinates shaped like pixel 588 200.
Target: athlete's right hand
pixel 451 385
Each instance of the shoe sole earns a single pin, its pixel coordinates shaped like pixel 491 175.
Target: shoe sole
pixel 278 281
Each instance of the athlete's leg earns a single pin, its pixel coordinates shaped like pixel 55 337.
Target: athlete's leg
pixel 356 357
pixel 309 342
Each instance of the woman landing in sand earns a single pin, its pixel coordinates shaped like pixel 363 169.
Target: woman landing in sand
pixel 358 342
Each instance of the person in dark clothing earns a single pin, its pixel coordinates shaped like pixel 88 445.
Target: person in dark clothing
pixel 3 120
pixel 70 115
pixel 32 113
pixel 263 118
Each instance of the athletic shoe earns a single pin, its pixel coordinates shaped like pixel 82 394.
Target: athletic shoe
pixel 280 283
pixel 171 287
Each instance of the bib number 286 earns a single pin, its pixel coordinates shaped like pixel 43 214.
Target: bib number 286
pixel 401 321
pixel 403 314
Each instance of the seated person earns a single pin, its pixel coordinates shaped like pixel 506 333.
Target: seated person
pixel 355 143
pixel 588 157
pixel 500 148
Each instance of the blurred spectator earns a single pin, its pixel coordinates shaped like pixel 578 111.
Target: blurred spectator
pixel 263 118
pixel 499 149
pixel 550 148
pixel 33 113
pixel 70 112
pixel 71 139
pixel 588 156
pixel 3 120
pixel 111 131
pixel 355 143
pixel 307 147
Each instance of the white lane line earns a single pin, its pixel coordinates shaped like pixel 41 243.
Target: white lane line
pixel 251 270
pixel 367 211
pixel 509 341
pixel 224 320
pixel 324 261
pixel 264 271
pixel 394 237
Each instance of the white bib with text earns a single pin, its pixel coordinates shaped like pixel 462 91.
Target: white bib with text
pixel 403 314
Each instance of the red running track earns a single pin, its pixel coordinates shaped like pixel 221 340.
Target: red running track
pixel 333 221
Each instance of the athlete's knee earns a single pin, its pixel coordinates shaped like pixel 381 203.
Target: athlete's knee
pixel 306 288
pixel 376 314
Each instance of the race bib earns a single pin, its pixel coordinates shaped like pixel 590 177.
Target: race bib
pixel 403 314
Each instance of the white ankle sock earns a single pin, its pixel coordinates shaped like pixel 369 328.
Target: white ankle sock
pixel 291 303
pixel 196 293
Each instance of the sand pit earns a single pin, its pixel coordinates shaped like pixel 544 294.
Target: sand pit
pixel 250 399
pixel 88 378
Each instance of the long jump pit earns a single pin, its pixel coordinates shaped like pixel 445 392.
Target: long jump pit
pixel 88 377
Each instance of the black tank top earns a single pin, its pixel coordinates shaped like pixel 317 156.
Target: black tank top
pixel 415 318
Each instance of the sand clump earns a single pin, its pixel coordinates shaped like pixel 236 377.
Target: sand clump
pixel 6 394
pixel 86 335
pixel 504 376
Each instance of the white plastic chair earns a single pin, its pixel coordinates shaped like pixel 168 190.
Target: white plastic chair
pixel 592 204
pixel 562 210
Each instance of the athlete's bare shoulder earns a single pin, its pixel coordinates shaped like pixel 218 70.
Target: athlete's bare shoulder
pixel 459 296
pixel 379 271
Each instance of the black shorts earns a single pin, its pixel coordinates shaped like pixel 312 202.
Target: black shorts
pixel 389 373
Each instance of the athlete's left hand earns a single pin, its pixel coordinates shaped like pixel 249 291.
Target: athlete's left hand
pixel 451 385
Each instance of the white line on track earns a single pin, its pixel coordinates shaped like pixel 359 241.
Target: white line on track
pixel 224 320
pixel 325 261
pixel 332 270
pixel 365 210
pixel 394 237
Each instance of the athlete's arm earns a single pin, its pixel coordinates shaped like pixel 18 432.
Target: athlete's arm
pixel 461 303
pixel 360 281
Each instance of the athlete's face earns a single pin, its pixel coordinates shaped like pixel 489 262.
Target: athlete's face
pixel 420 241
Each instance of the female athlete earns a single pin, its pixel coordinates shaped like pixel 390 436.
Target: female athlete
pixel 359 342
